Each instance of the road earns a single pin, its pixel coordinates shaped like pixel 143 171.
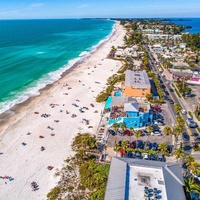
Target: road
pixel 173 96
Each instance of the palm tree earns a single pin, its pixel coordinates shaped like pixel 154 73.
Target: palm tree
pixel 195 168
pixel 167 130
pixel 177 108
pixel 179 153
pixel 115 126
pixel 160 93
pixel 123 127
pixel 150 129
pixel 191 186
pixel 180 121
pixel 149 96
pixel 163 148
pixel 132 130
pixel 138 134
pixel 177 130
pixel 125 144
pixel 117 148
pixel 189 160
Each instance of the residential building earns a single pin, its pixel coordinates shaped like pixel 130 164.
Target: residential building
pixel 136 84
pixel 135 179
pixel 129 111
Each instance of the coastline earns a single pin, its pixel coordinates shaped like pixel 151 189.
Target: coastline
pixel 78 85
pixel 9 116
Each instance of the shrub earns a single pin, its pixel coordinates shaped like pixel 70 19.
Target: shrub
pixel 191 115
pixel 53 194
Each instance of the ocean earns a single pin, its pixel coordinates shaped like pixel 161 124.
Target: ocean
pixel 34 53
pixel 194 22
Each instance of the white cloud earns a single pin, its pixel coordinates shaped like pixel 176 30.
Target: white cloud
pixel 36 5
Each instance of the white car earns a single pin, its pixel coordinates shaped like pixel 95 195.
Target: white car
pixel 184 112
pixel 145 156
pixel 156 133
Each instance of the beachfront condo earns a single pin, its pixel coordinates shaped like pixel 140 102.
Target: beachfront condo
pixel 137 84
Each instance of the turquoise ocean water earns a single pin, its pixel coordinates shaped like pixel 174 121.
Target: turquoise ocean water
pixel 34 53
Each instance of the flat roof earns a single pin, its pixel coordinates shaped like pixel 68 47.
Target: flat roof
pixel 128 179
pixel 137 79
pixel 118 101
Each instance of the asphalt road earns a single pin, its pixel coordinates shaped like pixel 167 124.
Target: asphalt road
pixel 171 106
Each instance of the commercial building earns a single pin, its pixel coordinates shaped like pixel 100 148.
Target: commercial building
pixel 134 179
pixel 129 111
pixel 136 84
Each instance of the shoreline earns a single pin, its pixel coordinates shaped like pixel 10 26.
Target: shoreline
pixel 20 136
pixel 9 115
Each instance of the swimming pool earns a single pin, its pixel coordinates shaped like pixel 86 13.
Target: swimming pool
pixel 108 103
pixel 117 94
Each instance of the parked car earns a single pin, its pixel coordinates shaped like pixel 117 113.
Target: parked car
pixel 161 123
pixel 156 133
pixel 111 132
pixel 139 144
pixel 146 156
pixel 147 145
pixel 191 123
pixel 184 112
pixel 130 154
pixel 160 157
pixel 166 92
pixel 186 137
pixel 154 146
pixel 138 155
pixel 171 101
pixel 152 157
pixel 133 145
pixel 170 149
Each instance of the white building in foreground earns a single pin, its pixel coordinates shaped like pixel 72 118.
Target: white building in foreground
pixel 133 179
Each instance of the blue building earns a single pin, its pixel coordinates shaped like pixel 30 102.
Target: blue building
pixel 127 110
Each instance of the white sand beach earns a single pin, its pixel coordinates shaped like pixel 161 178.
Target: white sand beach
pixel 26 162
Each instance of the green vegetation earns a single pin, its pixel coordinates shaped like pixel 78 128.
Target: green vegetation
pixel 191 115
pixel 179 153
pixel 133 38
pixel 191 186
pixel 82 177
pixel 197 112
pixel 183 88
pixel 196 147
pixel 103 96
pixel 177 108
pixel 192 40
pixel 177 92
pixel 167 130
pixel 193 166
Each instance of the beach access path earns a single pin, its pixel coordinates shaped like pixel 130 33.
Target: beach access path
pixel 47 121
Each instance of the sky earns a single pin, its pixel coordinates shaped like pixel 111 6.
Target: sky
pixel 39 9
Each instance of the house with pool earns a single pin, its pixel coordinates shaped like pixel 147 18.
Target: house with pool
pixel 129 111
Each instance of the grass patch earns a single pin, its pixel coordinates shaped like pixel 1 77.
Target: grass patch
pixel 191 115
pixel 177 93
pixel 198 129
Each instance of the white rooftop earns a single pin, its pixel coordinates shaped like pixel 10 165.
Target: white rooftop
pixel 129 177
pixel 137 79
